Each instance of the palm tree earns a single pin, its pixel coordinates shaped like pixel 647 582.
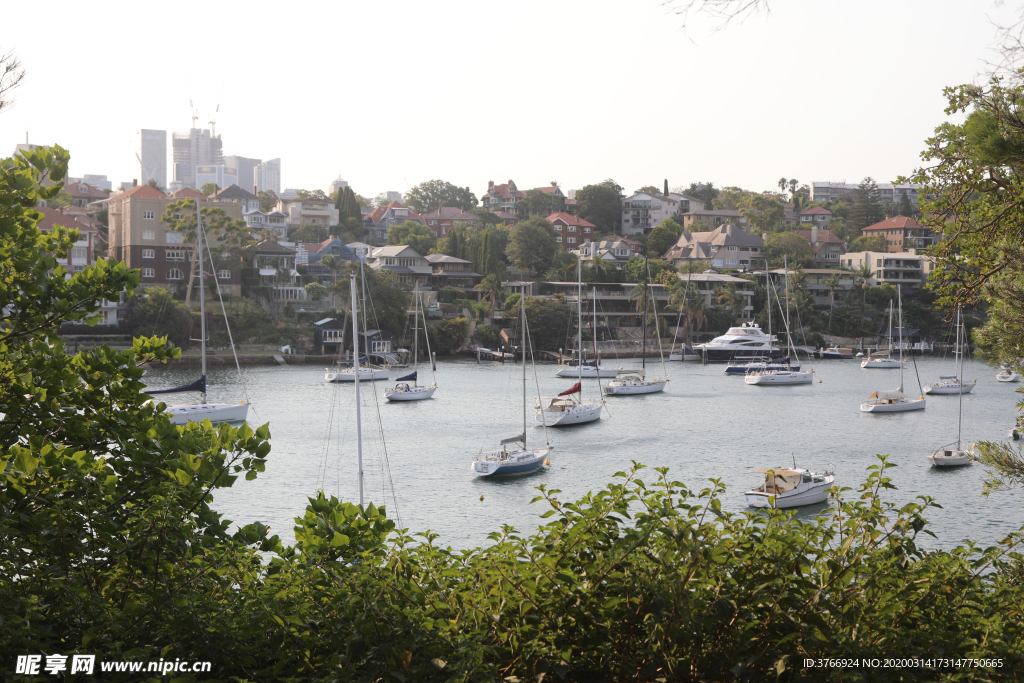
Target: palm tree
pixel 156 185
pixel 782 184
pixel 730 298
pixel 491 285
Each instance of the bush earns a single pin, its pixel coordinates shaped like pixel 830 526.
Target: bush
pixel 447 336
pixel 447 295
pixel 488 336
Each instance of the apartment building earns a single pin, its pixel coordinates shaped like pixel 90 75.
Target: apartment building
pixel 449 271
pixel 727 246
pixel 442 219
pixel 403 262
pixel 151 153
pixel 828 248
pixel 827 191
pixel 642 212
pixel 907 268
pixel 299 211
pixel 711 218
pixel 570 231
pixel 142 240
pixel 267 177
pixel 901 233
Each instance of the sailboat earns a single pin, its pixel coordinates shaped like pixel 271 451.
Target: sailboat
pixel 770 362
pixel 954 384
pixel 893 401
pixel 630 382
pixel 789 375
pixel 884 360
pixel 403 391
pixel 566 408
pixel 958 457
pixel 579 368
pixel 215 412
pixel 685 352
pixel 1007 374
pixel 517 461
pixel 368 373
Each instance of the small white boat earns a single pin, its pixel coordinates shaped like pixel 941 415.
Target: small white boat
pixel 349 374
pixel 586 372
pixel 949 384
pixel 1005 374
pixel 945 457
pixel 565 411
pixel 788 488
pixel 891 402
pixel 881 362
pixel 778 377
pixel 214 412
pixel 633 382
pixel 403 391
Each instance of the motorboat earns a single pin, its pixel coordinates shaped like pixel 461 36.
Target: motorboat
pixel 1006 374
pixel 788 488
pixel 366 374
pixel 778 377
pixel 197 412
pixel 521 460
pixel 834 353
pixel 631 382
pixel 894 401
pixel 950 384
pixel 945 457
pixel 403 390
pixel 746 342
pixel 586 371
pixel 759 366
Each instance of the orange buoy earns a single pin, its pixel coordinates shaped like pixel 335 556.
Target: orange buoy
pixel 547 461
pixel 819 381
pixel 481 496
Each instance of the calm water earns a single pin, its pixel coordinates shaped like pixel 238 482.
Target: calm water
pixel 705 425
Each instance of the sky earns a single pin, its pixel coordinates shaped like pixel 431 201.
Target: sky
pixel 390 94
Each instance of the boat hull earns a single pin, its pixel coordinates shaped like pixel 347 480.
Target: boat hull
pixel 758 367
pixel 365 375
pixel 581 414
pixel 1011 377
pixel 881 364
pixel 716 355
pixel 632 388
pixel 941 388
pixel 779 378
pixel 809 496
pixel 412 394
pixel 214 412
pixel 587 373
pixel 686 357
pixel 896 407
pixel 949 459
pixel 512 464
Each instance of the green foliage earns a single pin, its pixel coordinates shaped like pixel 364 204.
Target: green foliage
pixel 432 194
pixel 636 269
pixel 663 237
pixel 880 296
pixel 601 205
pixel 706 192
pixel 316 291
pixel 311 194
pixel 388 297
pixel 154 312
pixel 63 198
pixel 540 203
pixel 309 232
pixel 227 237
pixel 794 248
pixel 447 336
pixel 488 336
pixel 866 208
pixel 763 213
pixel 413 234
pixel 268 201
pixel 348 206
pixel 532 245
pixel 209 189
pixel 870 243
pixel 550 321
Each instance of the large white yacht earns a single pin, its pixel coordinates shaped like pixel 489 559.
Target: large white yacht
pixel 747 342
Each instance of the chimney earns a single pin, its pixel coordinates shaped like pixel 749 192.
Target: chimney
pixel 490 183
pixel 814 234
pixel 135 182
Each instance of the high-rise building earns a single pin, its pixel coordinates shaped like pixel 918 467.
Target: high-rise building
pixel 151 153
pixel 338 184
pixel 195 148
pixel 221 176
pixel 268 176
pixel 246 170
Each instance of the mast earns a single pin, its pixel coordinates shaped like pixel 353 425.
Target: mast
pixel 359 423
pixel 202 297
pixel 416 333
pixel 426 336
pixel 899 297
pixel 960 379
pixel 643 318
pixel 768 284
pixel 579 321
pixel 522 338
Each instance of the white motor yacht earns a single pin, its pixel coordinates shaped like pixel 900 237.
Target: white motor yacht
pixel 787 488
pixel 1005 374
pixel 778 377
pixel 746 342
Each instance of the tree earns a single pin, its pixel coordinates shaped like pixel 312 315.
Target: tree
pixel 734 198
pixel 154 312
pixel 783 184
pixel 12 73
pixel 636 269
pixel 906 208
pixel 532 245
pixel 663 237
pixel 550 321
pixel 432 194
pixel 209 189
pixel 315 291
pixel 411 233
pixel 348 206
pixel 540 203
pixel 268 200
pixel 648 189
pixel 731 299
pixel 866 208
pixel 389 297
pixel 309 232
pixel 787 244
pixel 491 285
pixel 447 336
pixel 601 205
pixel 311 194
pixel 63 198
pixel 706 192
pixel 762 212
pixel 869 243
pixel 155 184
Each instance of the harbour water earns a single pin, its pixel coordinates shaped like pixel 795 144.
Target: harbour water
pixel 705 425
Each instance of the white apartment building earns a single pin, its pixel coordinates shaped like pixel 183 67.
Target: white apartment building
pixel 299 211
pixel 338 184
pixel 221 176
pixel 906 268
pixel 642 212
pixel 151 153
pixel 267 177
pixel 246 170
pixel 826 191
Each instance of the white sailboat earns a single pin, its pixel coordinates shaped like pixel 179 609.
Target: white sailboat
pixel 769 376
pixel 403 391
pixel 954 384
pixel 954 457
pixel 215 412
pixel 685 352
pixel 517 461
pixel 893 401
pixel 567 408
pixel 632 382
pixel 788 488
pixel 581 369
pixel 365 374
pixel 883 360
pixel 1007 374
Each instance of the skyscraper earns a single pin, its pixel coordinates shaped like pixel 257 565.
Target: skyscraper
pixel 195 148
pixel 268 176
pixel 246 170
pixel 151 153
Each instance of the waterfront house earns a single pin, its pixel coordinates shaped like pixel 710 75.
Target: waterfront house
pixel 828 248
pixel 328 336
pixel 403 262
pixel 449 271
pixel 901 233
pixel 907 269
pixel 442 219
pixel 727 246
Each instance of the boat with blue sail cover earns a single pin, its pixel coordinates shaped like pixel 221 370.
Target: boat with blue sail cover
pixel 403 390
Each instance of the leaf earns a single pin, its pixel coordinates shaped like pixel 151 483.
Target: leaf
pixel 439 663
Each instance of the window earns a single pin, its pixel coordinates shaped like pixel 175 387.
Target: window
pixel 173 238
pixel 148 235
pixel 149 253
pixel 148 272
pixel 148 215
pixel 79 269
pixel 224 274
pixel 572 240
pixel 174 254
pixel 572 228
pixel 558 238
pixel 731 262
pixel 586 230
pixel 175 274
pixel 78 253
pixel 732 248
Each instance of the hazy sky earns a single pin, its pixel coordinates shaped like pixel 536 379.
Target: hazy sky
pixel 390 94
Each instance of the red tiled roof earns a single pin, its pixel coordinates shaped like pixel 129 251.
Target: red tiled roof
pixel 91 191
pixel 569 219
pixel 54 217
pixel 548 189
pixel 453 213
pixel 314 247
pixel 895 222
pixel 814 211
pixel 503 192
pixel 823 235
pixel 187 193
pixel 140 191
